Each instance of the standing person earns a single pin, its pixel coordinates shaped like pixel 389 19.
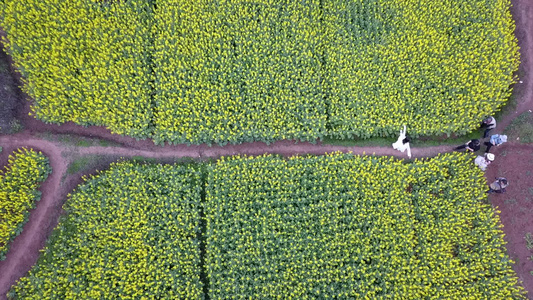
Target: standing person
pixel 498 186
pixel 495 140
pixel 484 161
pixel 402 143
pixel 472 145
pixel 489 124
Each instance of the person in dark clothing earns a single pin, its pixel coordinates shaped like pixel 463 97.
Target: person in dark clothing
pixel 498 186
pixel 472 145
pixel 489 124
pixel 495 140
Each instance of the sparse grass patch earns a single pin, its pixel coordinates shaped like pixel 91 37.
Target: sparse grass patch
pixel 371 142
pixel 15 126
pixel 143 159
pixel 74 140
pixel 510 201
pixel 503 153
pixel 83 143
pixel 88 161
pixel 529 240
pixel 521 128
pixel 77 165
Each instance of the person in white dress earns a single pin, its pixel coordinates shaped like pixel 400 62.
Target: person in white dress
pixel 402 143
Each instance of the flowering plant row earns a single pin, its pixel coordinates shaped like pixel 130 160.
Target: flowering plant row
pixel 353 227
pixel 437 66
pixel 129 232
pixel 334 226
pixel 84 61
pixel 19 181
pixel 232 71
pixel 238 71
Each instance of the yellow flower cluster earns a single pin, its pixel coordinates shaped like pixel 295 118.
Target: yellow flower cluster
pixel 237 71
pixel 19 181
pixel 353 227
pixel 232 71
pixel 129 233
pixel 86 61
pixel 438 66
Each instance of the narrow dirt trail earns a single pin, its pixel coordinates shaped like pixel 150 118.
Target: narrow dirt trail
pixel 24 250
pixel 522 11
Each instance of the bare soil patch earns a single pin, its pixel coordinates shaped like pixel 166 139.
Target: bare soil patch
pixel 515 162
pixel 11 97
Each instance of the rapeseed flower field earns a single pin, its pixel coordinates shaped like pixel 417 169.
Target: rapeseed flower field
pixel 19 181
pixel 233 71
pixel 353 227
pixel 129 232
pixel 315 227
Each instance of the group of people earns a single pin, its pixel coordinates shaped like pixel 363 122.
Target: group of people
pixel 474 145
pixel 482 161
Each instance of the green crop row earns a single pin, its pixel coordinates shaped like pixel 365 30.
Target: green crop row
pixel 334 226
pixel 353 227
pixel 25 171
pixel 232 71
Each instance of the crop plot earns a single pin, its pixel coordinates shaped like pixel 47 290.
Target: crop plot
pixel 129 231
pixel 221 72
pixel 353 227
pixel 19 181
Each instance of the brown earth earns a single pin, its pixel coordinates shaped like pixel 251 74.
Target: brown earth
pixel 10 95
pixel 513 161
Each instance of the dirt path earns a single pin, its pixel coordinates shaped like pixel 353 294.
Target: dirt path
pixel 516 205
pixel 516 163
pixel 24 250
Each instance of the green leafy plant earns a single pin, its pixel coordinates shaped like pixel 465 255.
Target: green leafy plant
pixel 529 240
pixel 15 126
pixel 350 227
pixel 129 232
pixel 521 129
pixel 25 170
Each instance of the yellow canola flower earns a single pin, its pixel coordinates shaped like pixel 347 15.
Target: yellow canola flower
pixel 127 234
pixel 233 72
pixel 310 225
pixel 19 181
